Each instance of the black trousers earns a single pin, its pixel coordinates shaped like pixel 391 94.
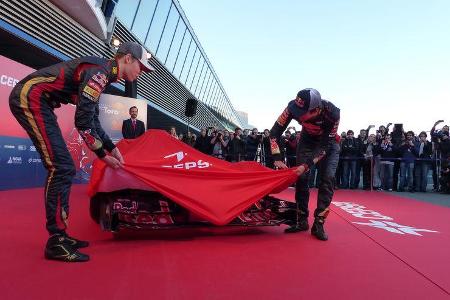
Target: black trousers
pixel 31 108
pixel 367 173
pixel 326 177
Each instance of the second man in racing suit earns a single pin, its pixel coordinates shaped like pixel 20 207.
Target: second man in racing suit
pixel 320 120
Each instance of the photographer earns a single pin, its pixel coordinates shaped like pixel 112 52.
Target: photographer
pixel 339 169
pixel 290 144
pixel 387 151
pixel 219 145
pixel 436 139
pixel 381 132
pixel 251 144
pixel 424 152
pixel 369 151
pixel 236 147
pixel 269 162
pixel 362 137
pixel 351 152
pixel 203 142
pixel 445 180
pixel 408 155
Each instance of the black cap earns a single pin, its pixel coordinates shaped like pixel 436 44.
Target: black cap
pixel 138 52
pixel 311 98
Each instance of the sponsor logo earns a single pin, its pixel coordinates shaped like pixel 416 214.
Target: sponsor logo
pixel 90 140
pixel 94 85
pixel 34 160
pixel 125 206
pixel 90 93
pixel 105 109
pixel 145 218
pixel 101 79
pixel 187 165
pixel 22 147
pixel 274 146
pixel 32 148
pixel 14 160
pixel 9 146
pixel 377 220
pixel 8 80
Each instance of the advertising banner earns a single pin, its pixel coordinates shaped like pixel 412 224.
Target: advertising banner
pixel 20 164
pixel 115 109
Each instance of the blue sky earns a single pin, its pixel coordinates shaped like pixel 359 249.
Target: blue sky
pixel 379 61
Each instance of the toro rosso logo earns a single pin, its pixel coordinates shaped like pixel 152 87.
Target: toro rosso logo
pixel 187 165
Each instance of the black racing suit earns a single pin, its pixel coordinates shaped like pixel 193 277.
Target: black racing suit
pixel 318 137
pixel 32 101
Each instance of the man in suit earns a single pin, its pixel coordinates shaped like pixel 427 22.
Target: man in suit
pixel 133 128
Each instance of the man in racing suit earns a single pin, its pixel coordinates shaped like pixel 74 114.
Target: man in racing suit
pixel 320 120
pixel 33 100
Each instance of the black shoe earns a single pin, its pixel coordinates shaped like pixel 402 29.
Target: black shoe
pixel 57 249
pixel 74 243
pixel 318 231
pixel 301 226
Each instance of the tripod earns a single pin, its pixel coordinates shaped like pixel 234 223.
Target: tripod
pixel 436 166
pixel 260 154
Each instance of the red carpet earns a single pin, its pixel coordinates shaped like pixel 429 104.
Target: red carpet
pixel 358 262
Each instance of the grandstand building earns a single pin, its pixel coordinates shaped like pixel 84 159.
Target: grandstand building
pixel 38 33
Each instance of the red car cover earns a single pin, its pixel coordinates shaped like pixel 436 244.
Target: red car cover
pixel 211 188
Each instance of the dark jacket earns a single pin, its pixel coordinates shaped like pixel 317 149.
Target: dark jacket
pixel 407 152
pixel 427 150
pixel 203 144
pixel 351 147
pixel 236 149
pixel 129 132
pixel 251 145
pixel 387 152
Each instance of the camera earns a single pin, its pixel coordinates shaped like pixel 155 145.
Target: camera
pixel 260 135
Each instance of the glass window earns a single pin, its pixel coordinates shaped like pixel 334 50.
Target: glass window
pixel 207 97
pixel 217 98
pixel 225 108
pixel 125 11
pixel 214 94
pixel 143 18
pixel 201 78
pixel 175 48
pixel 157 24
pixel 168 35
pixel 229 110
pixel 198 71
pixel 204 83
pixel 181 53
pixel 219 103
pixel 188 61
pixel 193 68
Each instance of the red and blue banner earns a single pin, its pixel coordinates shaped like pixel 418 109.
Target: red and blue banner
pixel 20 164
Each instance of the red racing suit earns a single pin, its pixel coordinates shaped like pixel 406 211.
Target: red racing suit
pixel 33 100
pixel 318 137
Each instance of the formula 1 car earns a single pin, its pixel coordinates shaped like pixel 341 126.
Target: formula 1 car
pixel 165 183
pixel 139 209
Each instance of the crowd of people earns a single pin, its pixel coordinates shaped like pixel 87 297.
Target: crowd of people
pixel 390 160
